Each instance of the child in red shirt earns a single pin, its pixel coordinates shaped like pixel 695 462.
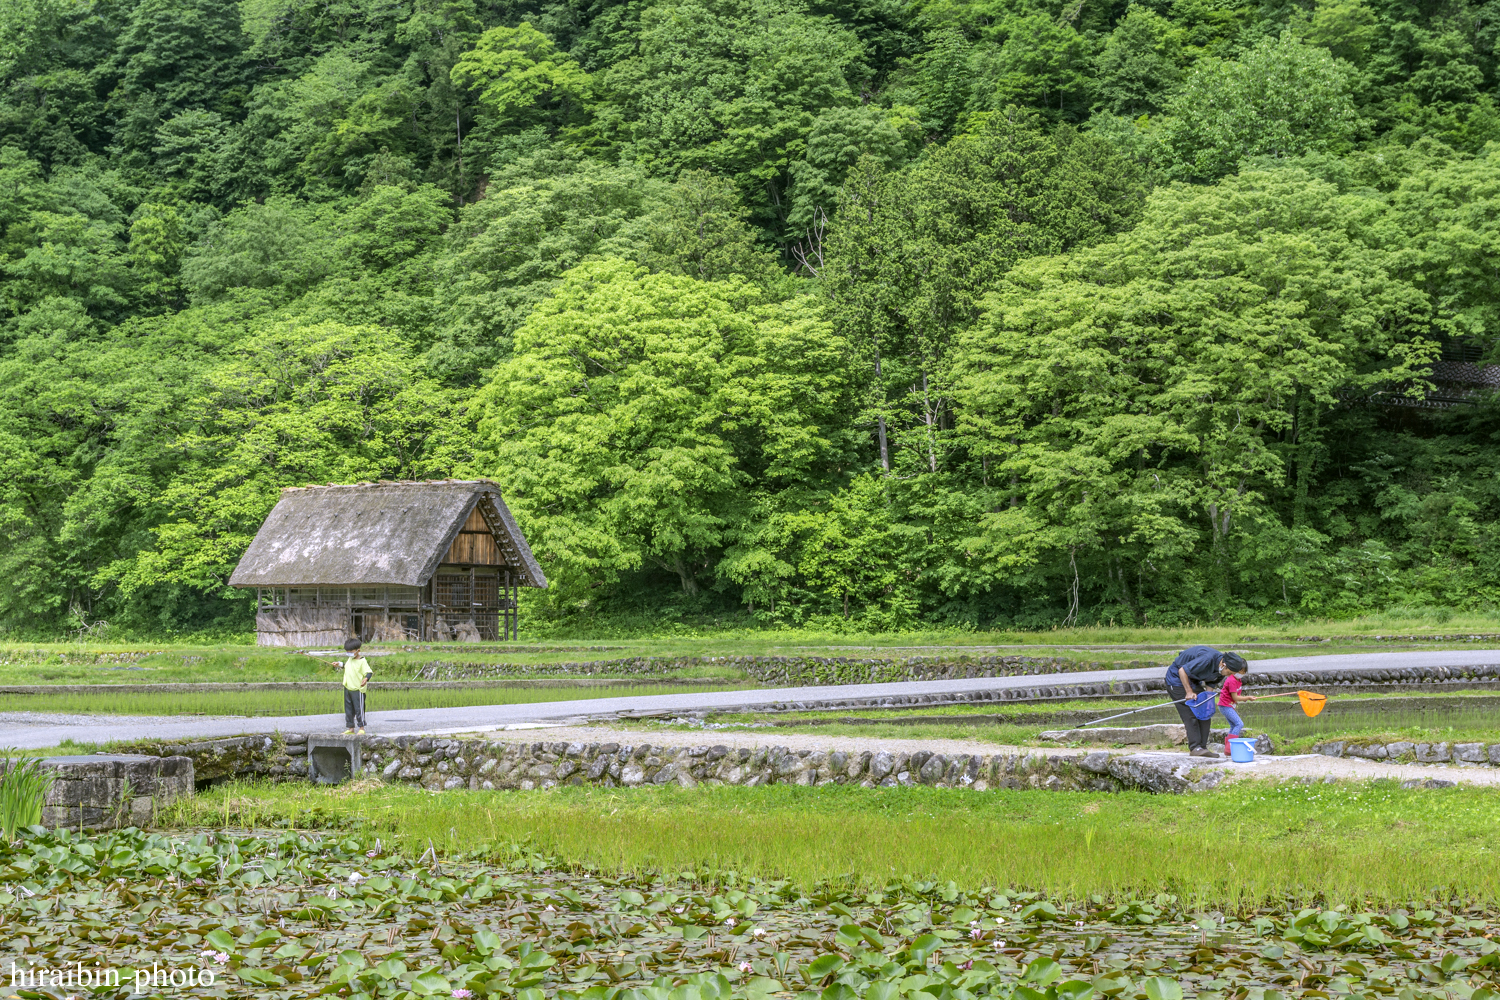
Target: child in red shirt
pixel 1229 696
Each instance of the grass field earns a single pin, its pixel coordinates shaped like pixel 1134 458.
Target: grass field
pixel 1241 846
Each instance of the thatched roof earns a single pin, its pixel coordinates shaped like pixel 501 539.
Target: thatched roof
pixel 374 533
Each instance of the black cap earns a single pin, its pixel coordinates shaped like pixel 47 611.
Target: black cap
pixel 1235 662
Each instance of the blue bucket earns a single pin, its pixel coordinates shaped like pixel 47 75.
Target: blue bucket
pixel 1242 751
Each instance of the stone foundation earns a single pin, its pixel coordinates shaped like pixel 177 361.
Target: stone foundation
pixel 112 790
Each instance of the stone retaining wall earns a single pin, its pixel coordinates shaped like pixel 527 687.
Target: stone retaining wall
pixel 1403 752
pixel 790 671
pixel 443 764
pixel 90 791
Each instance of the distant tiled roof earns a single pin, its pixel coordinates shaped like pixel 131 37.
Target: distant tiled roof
pixel 364 534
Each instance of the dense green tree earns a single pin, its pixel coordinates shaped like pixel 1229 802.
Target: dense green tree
pixel 637 409
pixel 520 78
pixel 1139 65
pixel 1147 396
pixel 1281 97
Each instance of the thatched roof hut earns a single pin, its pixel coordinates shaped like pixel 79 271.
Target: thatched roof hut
pixel 390 560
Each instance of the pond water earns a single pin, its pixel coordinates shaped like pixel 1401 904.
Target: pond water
pixel 1284 717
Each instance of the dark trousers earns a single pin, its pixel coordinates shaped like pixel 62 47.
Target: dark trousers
pixel 354 709
pixel 1198 730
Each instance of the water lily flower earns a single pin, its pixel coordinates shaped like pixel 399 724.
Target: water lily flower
pixel 221 957
pixel 355 878
pixel 976 934
pixel 758 933
pixel 680 909
pixel 967 965
pixel 551 908
pixel 746 968
pixel 999 945
pixel 462 994
pixel 728 921
pixel 369 854
pixel 206 953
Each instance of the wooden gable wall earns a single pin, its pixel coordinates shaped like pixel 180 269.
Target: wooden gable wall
pixel 475 544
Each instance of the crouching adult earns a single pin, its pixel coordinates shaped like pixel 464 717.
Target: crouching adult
pixel 1197 671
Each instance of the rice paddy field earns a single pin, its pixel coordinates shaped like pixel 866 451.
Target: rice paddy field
pixel 1242 846
pixel 139 662
pixel 271 912
pixel 1397 715
pixel 776 892
pixel 251 703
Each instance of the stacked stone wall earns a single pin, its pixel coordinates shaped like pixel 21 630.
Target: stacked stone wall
pixel 1407 752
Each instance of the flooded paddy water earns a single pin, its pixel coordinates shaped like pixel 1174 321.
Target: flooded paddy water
pixel 1283 717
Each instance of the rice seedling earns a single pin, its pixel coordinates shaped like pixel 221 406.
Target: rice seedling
pixel 1248 844
pixel 317 702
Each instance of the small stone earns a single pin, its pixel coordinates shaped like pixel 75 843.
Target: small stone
pixel 1432 753
pixel 487 766
pixel 409 773
pixel 1097 762
pixel 932 769
pixel 881 766
pixel 452 783
pixel 391 769
pixel 1472 753
pixel 1396 750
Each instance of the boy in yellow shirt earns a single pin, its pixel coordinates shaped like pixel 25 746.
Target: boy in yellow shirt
pixel 356 682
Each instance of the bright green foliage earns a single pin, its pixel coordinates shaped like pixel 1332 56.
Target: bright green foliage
pixel 520 78
pixel 837 140
pixel 732 86
pixel 292 405
pixel 638 408
pixel 932 359
pixel 1281 98
pixel 1172 381
pixel 1139 64
pixel 1041 63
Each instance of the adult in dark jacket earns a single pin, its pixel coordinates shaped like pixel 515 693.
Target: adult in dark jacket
pixel 1197 669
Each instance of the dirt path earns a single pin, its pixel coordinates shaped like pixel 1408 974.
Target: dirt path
pixel 1314 766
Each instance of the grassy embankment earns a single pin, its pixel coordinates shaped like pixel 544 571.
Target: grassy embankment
pixel 106 662
pixel 1238 847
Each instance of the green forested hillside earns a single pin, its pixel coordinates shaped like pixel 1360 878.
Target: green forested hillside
pixel 1002 312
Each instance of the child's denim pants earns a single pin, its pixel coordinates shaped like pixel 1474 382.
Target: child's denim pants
pixel 1236 724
